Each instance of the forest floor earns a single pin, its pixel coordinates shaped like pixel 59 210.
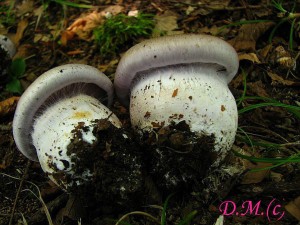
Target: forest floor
pixel 266 35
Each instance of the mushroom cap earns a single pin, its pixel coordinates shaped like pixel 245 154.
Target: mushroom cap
pixel 42 88
pixel 173 50
pixel 7 45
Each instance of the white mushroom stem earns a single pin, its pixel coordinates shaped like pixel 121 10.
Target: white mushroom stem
pixel 196 93
pixel 53 131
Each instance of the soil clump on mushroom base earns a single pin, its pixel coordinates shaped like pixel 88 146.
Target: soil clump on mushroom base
pixel 113 162
pixel 178 158
pixel 125 164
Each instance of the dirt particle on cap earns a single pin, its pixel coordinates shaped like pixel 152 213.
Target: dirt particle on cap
pixel 147 115
pixel 175 92
pixel 223 108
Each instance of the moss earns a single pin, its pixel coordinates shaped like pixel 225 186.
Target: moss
pixel 119 30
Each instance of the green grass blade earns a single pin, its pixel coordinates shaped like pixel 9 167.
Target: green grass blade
pixel 164 211
pixel 291 39
pixel 259 105
pixel 239 23
pixel 188 218
pixel 72 4
pixel 292 159
pixel 258 143
pixel 295 110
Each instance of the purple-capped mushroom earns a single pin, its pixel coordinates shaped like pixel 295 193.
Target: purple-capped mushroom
pixel 60 102
pixel 181 78
pixel 7 45
pixel 7 51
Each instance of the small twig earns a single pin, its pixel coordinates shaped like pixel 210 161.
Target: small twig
pixel 18 192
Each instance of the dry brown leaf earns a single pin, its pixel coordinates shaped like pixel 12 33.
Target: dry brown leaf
pixel 25 7
pixel 277 177
pixel 251 177
pixel 86 23
pixel 83 26
pixel 214 30
pixel 278 80
pixel 265 51
pixel 293 207
pixel 208 6
pixel 252 57
pixel 255 177
pixel 23 51
pixel 257 88
pixel 248 35
pixel 166 23
pixel 22 25
pixel 8 106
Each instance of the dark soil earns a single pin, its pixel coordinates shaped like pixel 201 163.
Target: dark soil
pixel 134 173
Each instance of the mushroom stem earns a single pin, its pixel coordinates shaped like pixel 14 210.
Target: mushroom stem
pixel 56 127
pixel 197 94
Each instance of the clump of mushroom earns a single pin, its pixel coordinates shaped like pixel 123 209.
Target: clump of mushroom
pixel 181 78
pixel 60 106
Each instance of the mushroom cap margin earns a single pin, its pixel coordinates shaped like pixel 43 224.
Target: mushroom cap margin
pixel 172 50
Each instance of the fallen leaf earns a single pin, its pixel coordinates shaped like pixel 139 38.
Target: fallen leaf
pixel 8 106
pixel 283 57
pixel 41 37
pixel 23 51
pixel 257 88
pixel 82 27
pixel 86 23
pixel 252 57
pixel 293 207
pixel 277 177
pixel 248 35
pixel 25 7
pixel 265 51
pixel 255 177
pixel 278 80
pixel 252 177
pixel 166 23
pixel 22 25
pixel 214 30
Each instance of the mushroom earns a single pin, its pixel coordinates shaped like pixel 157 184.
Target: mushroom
pixel 7 51
pixel 59 107
pixel 181 78
pixel 7 45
